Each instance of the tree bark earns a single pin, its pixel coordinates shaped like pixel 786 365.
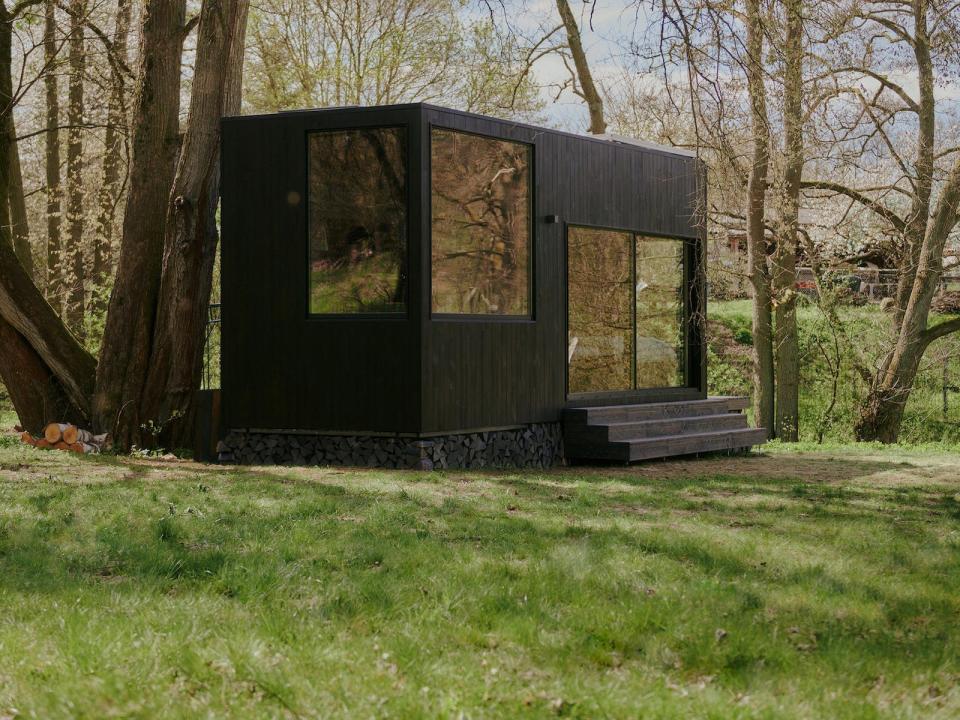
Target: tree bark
pixel 37 395
pixel 108 194
pixel 191 233
pixel 125 353
pixel 787 345
pixel 77 279
pixel 757 268
pixel 18 204
pixel 54 285
pixel 588 90
pixel 23 307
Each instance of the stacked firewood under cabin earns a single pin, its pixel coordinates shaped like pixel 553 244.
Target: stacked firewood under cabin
pixel 64 436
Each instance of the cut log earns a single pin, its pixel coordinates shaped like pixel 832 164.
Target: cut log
pixel 83 448
pixel 42 444
pixel 28 438
pixel 54 432
pixel 61 445
pixel 75 448
pixel 72 434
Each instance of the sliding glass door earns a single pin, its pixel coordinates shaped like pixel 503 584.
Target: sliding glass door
pixel 625 325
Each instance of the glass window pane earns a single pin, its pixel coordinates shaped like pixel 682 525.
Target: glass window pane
pixel 600 326
pixel 660 344
pixel 480 224
pixel 358 221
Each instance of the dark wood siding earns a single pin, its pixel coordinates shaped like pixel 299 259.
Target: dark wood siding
pixel 282 369
pixel 494 372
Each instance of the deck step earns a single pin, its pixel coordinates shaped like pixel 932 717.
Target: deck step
pixel 629 433
pixel 653 411
pixel 637 429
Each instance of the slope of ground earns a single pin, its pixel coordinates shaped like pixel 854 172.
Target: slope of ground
pixel 794 585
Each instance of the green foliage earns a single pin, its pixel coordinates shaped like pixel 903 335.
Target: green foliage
pixel 865 334
pixel 732 587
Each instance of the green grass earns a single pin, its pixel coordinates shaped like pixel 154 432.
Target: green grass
pixel 791 586
pixel 365 286
pixel 8 418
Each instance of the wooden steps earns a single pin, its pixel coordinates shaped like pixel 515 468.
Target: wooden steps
pixel 628 433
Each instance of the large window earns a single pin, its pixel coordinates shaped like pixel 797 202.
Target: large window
pixel 659 313
pixel 601 317
pixel 481 234
pixel 625 311
pixel 358 221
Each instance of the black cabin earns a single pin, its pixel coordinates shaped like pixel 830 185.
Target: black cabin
pixel 416 286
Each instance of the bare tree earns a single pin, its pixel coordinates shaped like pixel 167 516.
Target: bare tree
pixel 190 242
pixel 758 269
pixel 786 342
pixel 125 352
pixel 18 205
pixel 108 194
pixel 54 285
pixel 76 284
pixel 917 195
pixel 585 87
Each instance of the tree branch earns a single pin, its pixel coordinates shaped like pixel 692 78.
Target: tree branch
pixel 887 83
pixel 190 25
pixel 886 213
pixel 118 64
pixel 939 330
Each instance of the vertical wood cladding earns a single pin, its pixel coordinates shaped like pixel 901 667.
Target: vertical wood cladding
pixel 493 372
pixel 283 369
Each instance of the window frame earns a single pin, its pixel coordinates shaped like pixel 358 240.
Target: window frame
pixel 531 315
pixel 407 264
pixel 688 279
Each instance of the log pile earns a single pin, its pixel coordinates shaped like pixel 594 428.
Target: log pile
pixel 538 445
pixel 66 437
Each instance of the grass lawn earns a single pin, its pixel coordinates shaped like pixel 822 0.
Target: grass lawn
pixel 794 585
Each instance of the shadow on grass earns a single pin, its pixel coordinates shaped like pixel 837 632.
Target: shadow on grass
pixel 266 532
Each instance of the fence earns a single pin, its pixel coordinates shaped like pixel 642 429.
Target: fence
pixel 210 379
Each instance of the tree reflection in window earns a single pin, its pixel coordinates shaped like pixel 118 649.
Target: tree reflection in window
pixel 481 225
pixel 358 221
pixel 659 292
pixel 601 320
pixel 625 311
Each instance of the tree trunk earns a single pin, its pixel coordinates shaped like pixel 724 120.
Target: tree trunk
pixel 54 284
pixel 191 233
pixel 22 307
pixel 924 164
pixel 77 279
pixel 588 90
pixel 37 395
pixel 125 353
pixel 787 345
pixel 882 411
pixel 757 268
pixel 109 192
pixel 18 204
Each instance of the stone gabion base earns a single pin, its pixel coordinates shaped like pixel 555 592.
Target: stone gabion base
pixel 538 445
